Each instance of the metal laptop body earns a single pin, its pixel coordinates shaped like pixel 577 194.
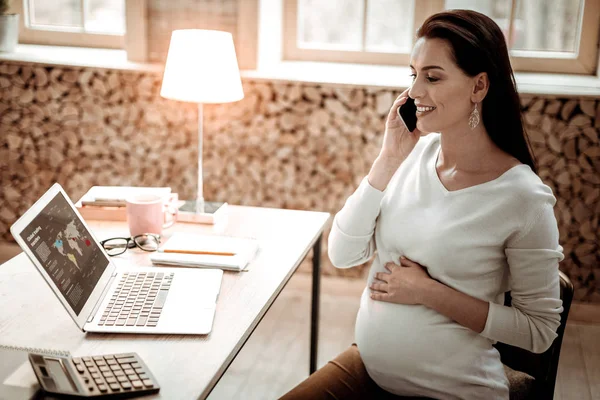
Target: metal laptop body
pixel 65 252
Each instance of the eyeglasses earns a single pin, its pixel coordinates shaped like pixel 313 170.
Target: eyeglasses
pixel 145 241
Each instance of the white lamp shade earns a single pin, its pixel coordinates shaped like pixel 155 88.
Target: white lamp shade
pixel 202 68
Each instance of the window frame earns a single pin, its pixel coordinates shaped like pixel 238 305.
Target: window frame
pixel 583 61
pixel 134 41
pixel 291 52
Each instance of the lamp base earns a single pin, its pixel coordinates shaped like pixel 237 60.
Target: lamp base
pixel 214 212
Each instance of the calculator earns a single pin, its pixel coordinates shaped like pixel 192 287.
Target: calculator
pixel 108 376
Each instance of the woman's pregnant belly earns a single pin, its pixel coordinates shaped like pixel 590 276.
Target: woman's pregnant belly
pixel 406 347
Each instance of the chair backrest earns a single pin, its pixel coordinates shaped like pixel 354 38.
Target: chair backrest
pixel 543 367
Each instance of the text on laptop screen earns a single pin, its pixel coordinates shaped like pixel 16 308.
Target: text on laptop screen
pixel 66 250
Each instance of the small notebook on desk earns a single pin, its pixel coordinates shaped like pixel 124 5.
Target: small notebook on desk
pixel 115 196
pixel 206 251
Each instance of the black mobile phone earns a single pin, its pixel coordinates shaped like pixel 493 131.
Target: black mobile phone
pixel 408 113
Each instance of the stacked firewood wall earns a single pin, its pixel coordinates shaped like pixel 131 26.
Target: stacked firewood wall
pixel 287 145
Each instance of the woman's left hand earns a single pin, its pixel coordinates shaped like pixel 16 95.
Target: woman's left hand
pixel 404 284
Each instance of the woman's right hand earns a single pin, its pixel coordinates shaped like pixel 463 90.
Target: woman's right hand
pixel 398 142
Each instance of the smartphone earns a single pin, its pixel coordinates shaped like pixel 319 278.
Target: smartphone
pixel 408 114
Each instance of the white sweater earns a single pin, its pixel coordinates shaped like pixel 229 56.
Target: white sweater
pixel 483 241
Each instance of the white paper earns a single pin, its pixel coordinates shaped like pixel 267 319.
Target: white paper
pixel 243 248
pixel 213 243
pixel 23 377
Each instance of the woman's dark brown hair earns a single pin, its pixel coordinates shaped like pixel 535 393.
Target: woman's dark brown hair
pixel 478 45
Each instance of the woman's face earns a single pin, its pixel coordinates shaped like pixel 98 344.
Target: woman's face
pixel 441 90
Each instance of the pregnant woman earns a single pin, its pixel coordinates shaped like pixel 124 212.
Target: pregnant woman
pixel 455 215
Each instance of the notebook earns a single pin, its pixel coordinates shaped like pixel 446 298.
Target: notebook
pixel 210 251
pixel 115 196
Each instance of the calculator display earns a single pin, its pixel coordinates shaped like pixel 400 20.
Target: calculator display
pixel 57 373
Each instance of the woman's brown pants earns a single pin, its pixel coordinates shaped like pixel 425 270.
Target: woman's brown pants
pixel 344 378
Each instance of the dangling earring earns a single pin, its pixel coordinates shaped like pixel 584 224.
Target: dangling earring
pixel 474 118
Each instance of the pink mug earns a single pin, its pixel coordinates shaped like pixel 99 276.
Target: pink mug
pixel 149 213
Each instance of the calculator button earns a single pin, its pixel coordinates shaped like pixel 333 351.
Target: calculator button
pixel 115 367
pixel 80 368
pixel 114 386
pixel 148 383
pixel 102 388
pixel 119 373
pixel 111 361
pixel 104 369
pixel 95 375
pixel 137 384
pixel 98 358
pixel 122 378
pixel 126 385
pixel 76 360
pixel 128 371
pixel 86 359
pixel 111 379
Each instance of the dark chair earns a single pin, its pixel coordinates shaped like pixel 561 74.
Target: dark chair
pixel 541 367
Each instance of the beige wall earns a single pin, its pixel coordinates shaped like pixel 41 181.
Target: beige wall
pixel 284 145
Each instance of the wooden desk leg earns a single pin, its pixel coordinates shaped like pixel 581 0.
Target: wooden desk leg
pixel 314 317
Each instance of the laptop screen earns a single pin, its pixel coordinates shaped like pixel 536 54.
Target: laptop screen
pixel 66 250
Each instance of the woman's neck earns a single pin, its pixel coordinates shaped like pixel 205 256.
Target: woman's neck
pixel 466 150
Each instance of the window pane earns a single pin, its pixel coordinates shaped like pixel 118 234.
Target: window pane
pixel 546 25
pixel 498 10
pixel 390 25
pixel 105 16
pixel 331 24
pixel 65 13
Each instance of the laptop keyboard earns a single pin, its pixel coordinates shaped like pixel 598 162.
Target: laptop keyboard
pixel 138 300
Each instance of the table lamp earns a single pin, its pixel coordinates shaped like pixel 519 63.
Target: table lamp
pixel 201 68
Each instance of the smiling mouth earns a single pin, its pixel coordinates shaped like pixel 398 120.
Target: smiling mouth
pixel 423 110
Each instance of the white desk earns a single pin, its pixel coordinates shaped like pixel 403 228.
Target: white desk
pixel 186 367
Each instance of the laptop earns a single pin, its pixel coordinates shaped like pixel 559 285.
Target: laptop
pixel 101 297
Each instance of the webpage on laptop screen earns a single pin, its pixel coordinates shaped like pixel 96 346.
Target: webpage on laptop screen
pixel 66 250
